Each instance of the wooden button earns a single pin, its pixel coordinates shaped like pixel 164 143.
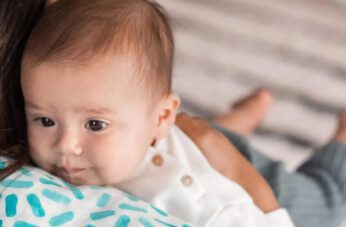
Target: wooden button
pixel 186 180
pixel 157 160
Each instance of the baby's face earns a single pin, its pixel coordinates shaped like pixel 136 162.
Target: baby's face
pixel 86 124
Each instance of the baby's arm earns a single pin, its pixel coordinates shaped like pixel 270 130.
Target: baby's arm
pixel 226 159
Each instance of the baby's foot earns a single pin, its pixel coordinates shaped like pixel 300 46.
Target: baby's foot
pixel 248 113
pixel 340 134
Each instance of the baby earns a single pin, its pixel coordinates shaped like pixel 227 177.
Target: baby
pixel 96 80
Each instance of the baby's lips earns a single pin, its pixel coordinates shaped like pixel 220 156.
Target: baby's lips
pixel 70 170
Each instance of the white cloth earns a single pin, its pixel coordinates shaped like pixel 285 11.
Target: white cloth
pixel 177 178
pixel 32 197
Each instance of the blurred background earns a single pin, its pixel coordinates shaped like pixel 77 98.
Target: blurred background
pixel 296 48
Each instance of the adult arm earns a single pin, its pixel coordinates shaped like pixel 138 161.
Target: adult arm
pixel 226 159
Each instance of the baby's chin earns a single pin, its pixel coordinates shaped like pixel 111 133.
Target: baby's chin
pixel 80 181
pixel 76 180
pixel 84 178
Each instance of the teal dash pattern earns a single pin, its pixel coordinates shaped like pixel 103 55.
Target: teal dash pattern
pixel 103 200
pixel 130 197
pixel 101 214
pixel 56 196
pixel 50 182
pixel 61 219
pixel 25 172
pixel 145 222
pixel 125 206
pixel 10 183
pixel 23 224
pixel 11 205
pixel 123 221
pixel 2 165
pixel 164 223
pixel 76 192
pixel 35 205
pixel 159 211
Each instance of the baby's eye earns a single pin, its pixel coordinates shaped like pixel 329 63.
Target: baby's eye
pixel 45 121
pixel 95 125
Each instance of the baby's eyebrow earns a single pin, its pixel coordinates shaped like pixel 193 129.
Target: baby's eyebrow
pixel 93 110
pixel 32 105
pixel 98 110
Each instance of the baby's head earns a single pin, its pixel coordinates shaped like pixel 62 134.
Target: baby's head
pixel 96 80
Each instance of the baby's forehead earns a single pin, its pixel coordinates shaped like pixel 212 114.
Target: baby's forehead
pixel 136 80
pixel 125 66
pixel 103 81
pixel 123 71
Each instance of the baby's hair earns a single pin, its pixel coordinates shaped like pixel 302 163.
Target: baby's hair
pixel 17 19
pixel 74 31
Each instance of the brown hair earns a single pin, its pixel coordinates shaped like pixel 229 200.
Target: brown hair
pixel 73 31
pixel 16 21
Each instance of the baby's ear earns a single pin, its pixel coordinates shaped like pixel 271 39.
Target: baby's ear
pixel 167 114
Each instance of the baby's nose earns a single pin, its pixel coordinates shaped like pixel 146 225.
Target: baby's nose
pixel 69 144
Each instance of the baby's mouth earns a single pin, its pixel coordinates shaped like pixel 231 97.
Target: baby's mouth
pixel 69 173
pixel 72 175
pixel 72 171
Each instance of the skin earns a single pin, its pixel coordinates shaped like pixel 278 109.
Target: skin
pixel 247 113
pixel 192 126
pixel 83 119
pixel 340 134
pixel 82 130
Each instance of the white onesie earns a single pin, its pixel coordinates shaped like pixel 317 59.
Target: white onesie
pixel 177 178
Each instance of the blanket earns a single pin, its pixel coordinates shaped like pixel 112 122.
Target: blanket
pixel 32 197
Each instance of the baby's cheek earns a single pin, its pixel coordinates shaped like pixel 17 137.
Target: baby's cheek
pixel 39 144
pixel 34 153
pixel 101 148
pixel 40 160
pixel 99 153
pixel 113 157
pixel 41 155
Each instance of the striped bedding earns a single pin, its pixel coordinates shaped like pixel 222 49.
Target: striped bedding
pixel 296 48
